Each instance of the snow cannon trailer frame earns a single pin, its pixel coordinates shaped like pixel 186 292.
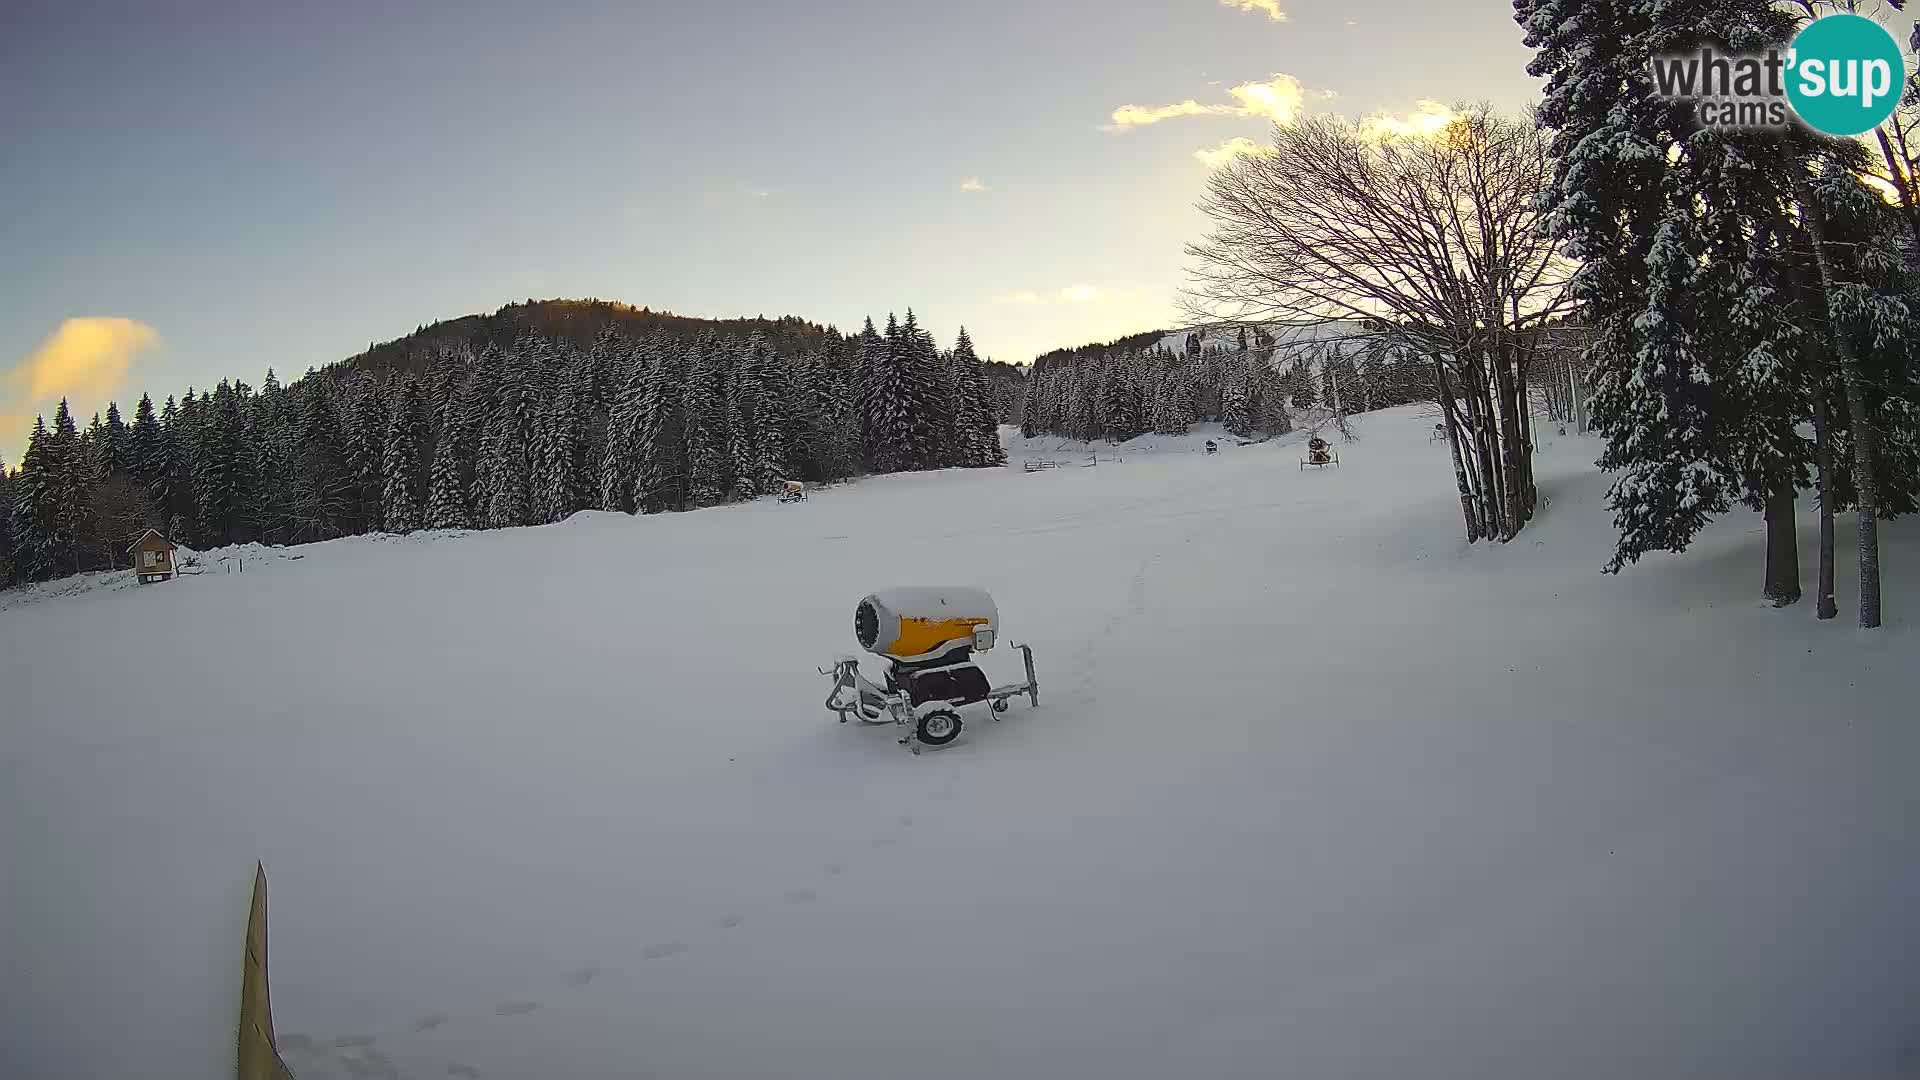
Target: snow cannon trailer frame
pixel 928 638
pixel 1319 455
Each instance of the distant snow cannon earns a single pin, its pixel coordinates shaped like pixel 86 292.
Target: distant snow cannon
pixel 928 636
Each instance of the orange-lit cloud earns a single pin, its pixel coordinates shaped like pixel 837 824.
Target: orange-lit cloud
pixel 1131 116
pixel 1278 99
pixel 972 184
pixel 1270 7
pixel 1239 146
pixel 85 359
pixel 1428 118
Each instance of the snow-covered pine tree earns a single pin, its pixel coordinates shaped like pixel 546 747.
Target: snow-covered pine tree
pixel 870 352
pixel 73 484
pixel 91 437
pixel 888 404
pixel 589 417
pixel 503 472
pixel 757 421
pixel 1236 406
pixel 1270 415
pixel 659 439
pixel 269 453
pixel 1077 414
pixel 1173 413
pixel 363 423
pixel 703 405
pixel 320 503
pixel 145 458
pixel 951 431
pixel 976 420
pixel 1678 229
pixel 41 549
pixel 781 418
pixel 555 469
pixel 739 394
pixel 110 451
pixel 924 405
pixel 1125 406
pixel 446 482
pixel 400 502
pixel 163 468
pixel 831 424
pixel 217 468
pixel 619 454
pixel 9 567
pixel 1032 420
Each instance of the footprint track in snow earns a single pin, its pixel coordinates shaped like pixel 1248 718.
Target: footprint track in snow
pixel 663 950
pixel 515 1008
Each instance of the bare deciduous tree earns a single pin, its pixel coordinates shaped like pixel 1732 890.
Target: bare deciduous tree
pixel 1436 240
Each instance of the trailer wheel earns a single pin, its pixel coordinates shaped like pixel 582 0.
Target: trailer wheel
pixel 1000 705
pixel 938 727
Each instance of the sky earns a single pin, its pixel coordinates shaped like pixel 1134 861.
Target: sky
pixel 196 191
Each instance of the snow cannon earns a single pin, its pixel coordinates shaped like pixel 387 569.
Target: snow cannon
pixel 927 635
pixel 913 625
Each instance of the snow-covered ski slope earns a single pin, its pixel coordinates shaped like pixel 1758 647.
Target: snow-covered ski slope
pixel 1314 790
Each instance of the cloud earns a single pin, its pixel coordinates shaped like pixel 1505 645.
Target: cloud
pixel 1132 116
pixel 1278 99
pixel 84 359
pixel 1428 118
pixel 1072 294
pixel 1214 157
pixel 1270 7
pixel 971 184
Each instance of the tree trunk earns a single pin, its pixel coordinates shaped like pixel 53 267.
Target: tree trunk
pixel 1824 607
pixel 1468 511
pixel 1867 507
pixel 1492 489
pixel 1783 548
pixel 1867 487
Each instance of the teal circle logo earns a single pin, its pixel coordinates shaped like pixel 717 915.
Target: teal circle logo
pixel 1845 74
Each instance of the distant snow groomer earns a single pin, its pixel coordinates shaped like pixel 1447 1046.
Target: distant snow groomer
pixel 928 636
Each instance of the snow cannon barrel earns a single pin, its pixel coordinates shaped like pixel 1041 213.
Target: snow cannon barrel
pixel 920 623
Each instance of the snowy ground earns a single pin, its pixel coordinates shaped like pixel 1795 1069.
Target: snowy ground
pixel 1314 790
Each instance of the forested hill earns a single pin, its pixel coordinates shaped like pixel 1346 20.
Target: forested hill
pixel 576 322
pixel 521 417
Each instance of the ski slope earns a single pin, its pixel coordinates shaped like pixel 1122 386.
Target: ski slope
pixel 1313 790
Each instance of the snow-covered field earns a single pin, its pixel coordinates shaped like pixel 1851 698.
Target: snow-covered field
pixel 1314 790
